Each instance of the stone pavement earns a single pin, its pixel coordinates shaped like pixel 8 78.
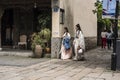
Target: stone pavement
pixel 96 67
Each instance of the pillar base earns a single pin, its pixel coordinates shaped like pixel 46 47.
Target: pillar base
pixel 55 48
pixel 0 49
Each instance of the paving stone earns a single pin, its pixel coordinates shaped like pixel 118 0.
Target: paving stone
pixel 107 75
pixel 96 73
pixel 82 74
pixel 35 76
pixel 59 73
pixel 46 78
pixel 62 78
pixel 100 79
pixel 16 78
pixel 88 78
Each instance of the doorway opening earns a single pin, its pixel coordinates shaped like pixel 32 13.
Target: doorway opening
pixel 7 28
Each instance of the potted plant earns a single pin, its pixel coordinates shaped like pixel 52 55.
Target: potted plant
pixel 37 44
pixel 44 21
pixel 46 34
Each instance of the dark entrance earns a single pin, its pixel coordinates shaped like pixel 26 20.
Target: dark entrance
pixel 6 29
pixel 42 18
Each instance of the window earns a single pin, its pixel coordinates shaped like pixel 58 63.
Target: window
pixel 62 16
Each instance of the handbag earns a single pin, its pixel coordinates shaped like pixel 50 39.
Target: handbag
pixel 79 50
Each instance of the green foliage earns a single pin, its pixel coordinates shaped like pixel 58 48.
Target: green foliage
pixel 118 24
pixel 98 10
pixel 37 40
pixel 44 20
pixel 41 38
pixel 43 26
pixel 45 33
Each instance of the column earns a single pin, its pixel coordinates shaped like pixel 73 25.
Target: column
pixel 55 40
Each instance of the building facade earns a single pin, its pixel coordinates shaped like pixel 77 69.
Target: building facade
pixel 19 17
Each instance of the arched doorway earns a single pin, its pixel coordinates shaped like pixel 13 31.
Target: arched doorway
pixel 6 27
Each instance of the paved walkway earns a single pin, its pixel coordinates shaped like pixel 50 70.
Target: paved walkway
pixel 96 67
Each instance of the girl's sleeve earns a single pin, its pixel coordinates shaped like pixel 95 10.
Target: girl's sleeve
pixel 82 42
pixel 63 35
pixel 69 35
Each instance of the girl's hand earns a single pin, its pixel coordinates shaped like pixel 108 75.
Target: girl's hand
pixel 74 42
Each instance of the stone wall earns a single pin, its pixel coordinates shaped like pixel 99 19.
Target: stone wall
pixel 90 42
pixel 56 46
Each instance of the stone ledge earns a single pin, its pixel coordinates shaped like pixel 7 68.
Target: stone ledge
pixel 17 53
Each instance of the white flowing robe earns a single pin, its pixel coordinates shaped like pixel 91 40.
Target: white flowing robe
pixel 65 54
pixel 79 42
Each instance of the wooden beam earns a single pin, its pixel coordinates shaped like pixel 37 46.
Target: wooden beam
pixel 24 1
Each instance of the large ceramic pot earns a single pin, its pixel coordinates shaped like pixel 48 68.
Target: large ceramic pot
pixel 38 51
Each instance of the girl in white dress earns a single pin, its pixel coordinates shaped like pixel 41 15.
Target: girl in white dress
pixel 66 52
pixel 79 43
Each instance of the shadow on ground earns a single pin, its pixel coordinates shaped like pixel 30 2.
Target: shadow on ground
pixel 96 58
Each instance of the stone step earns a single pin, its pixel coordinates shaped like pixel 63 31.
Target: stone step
pixel 19 52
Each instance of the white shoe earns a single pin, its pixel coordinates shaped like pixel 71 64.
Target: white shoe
pixel 75 59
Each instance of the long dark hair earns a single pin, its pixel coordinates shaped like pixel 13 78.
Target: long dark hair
pixel 66 29
pixel 78 26
pixel 109 31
